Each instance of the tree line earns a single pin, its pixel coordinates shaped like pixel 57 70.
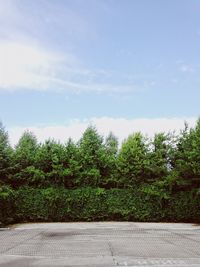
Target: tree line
pixel 144 179
pixel 166 161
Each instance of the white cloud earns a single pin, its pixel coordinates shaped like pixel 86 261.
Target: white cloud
pixel 186 68
pixel 26 63
pixel 25 66
pixel 27 33
pixel 121 127
pixel 28 67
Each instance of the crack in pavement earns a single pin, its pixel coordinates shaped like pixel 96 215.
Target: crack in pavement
pixel 112 254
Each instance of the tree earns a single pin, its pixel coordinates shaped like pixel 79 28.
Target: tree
pixel 26 149
pixel 187 157
pixel 5 155
pixel 24 159
pixel 133 161
pixel 91 158
pixel 160 156
pixel 72 164
pixel 109 172
pixel 111 144
pixel 50 159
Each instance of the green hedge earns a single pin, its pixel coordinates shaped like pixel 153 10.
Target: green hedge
pixel 184 207
pixel 89 204
pixel 7 205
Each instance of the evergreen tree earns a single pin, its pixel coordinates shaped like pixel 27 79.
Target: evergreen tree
pixel 133 161
pixel 160 156
pixel 50 160
pixel 91 158
pixel 72 164
pixel 5 155
pixel 187 157
pixel 24 159
pixel 109 173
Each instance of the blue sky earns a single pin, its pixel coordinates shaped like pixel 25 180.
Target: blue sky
pixel 122 65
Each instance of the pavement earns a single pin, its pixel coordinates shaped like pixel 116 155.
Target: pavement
pixel 100 244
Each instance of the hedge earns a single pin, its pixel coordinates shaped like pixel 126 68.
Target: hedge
pixel 88 204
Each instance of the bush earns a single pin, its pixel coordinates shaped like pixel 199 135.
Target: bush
pixel 89 204
pixel 7 207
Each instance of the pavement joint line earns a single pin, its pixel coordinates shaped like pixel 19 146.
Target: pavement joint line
pixel 27 256
pixel 186 237
pixel 112 254
pixel 171 242
pixel 20 243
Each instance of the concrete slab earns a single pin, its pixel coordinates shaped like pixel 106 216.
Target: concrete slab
pixel 101 244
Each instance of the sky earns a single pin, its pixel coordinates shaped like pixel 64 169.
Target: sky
pixel 123 66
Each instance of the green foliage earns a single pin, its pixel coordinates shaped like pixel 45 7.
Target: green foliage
pixel 7 198
pixel 187 156
pixel 145 180
pixel 5 156
pixel 111 144
pixel 25 150
pixel 24 159
pixel 94 204
pixel 133 160
pixel 58 163
pixel 92 158
pixel 72 164
pixel 160 156
pixel 184 207
pixel 109 172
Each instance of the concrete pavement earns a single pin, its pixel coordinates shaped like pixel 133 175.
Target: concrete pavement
pixel 101 244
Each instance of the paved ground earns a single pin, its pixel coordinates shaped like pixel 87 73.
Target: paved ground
pixel 101 244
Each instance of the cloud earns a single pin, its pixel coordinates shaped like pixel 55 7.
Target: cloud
pixel 121 127
pixel 25 66
pixel 28 67
pixel 30 37
pixel 186 68
pixel 43 20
